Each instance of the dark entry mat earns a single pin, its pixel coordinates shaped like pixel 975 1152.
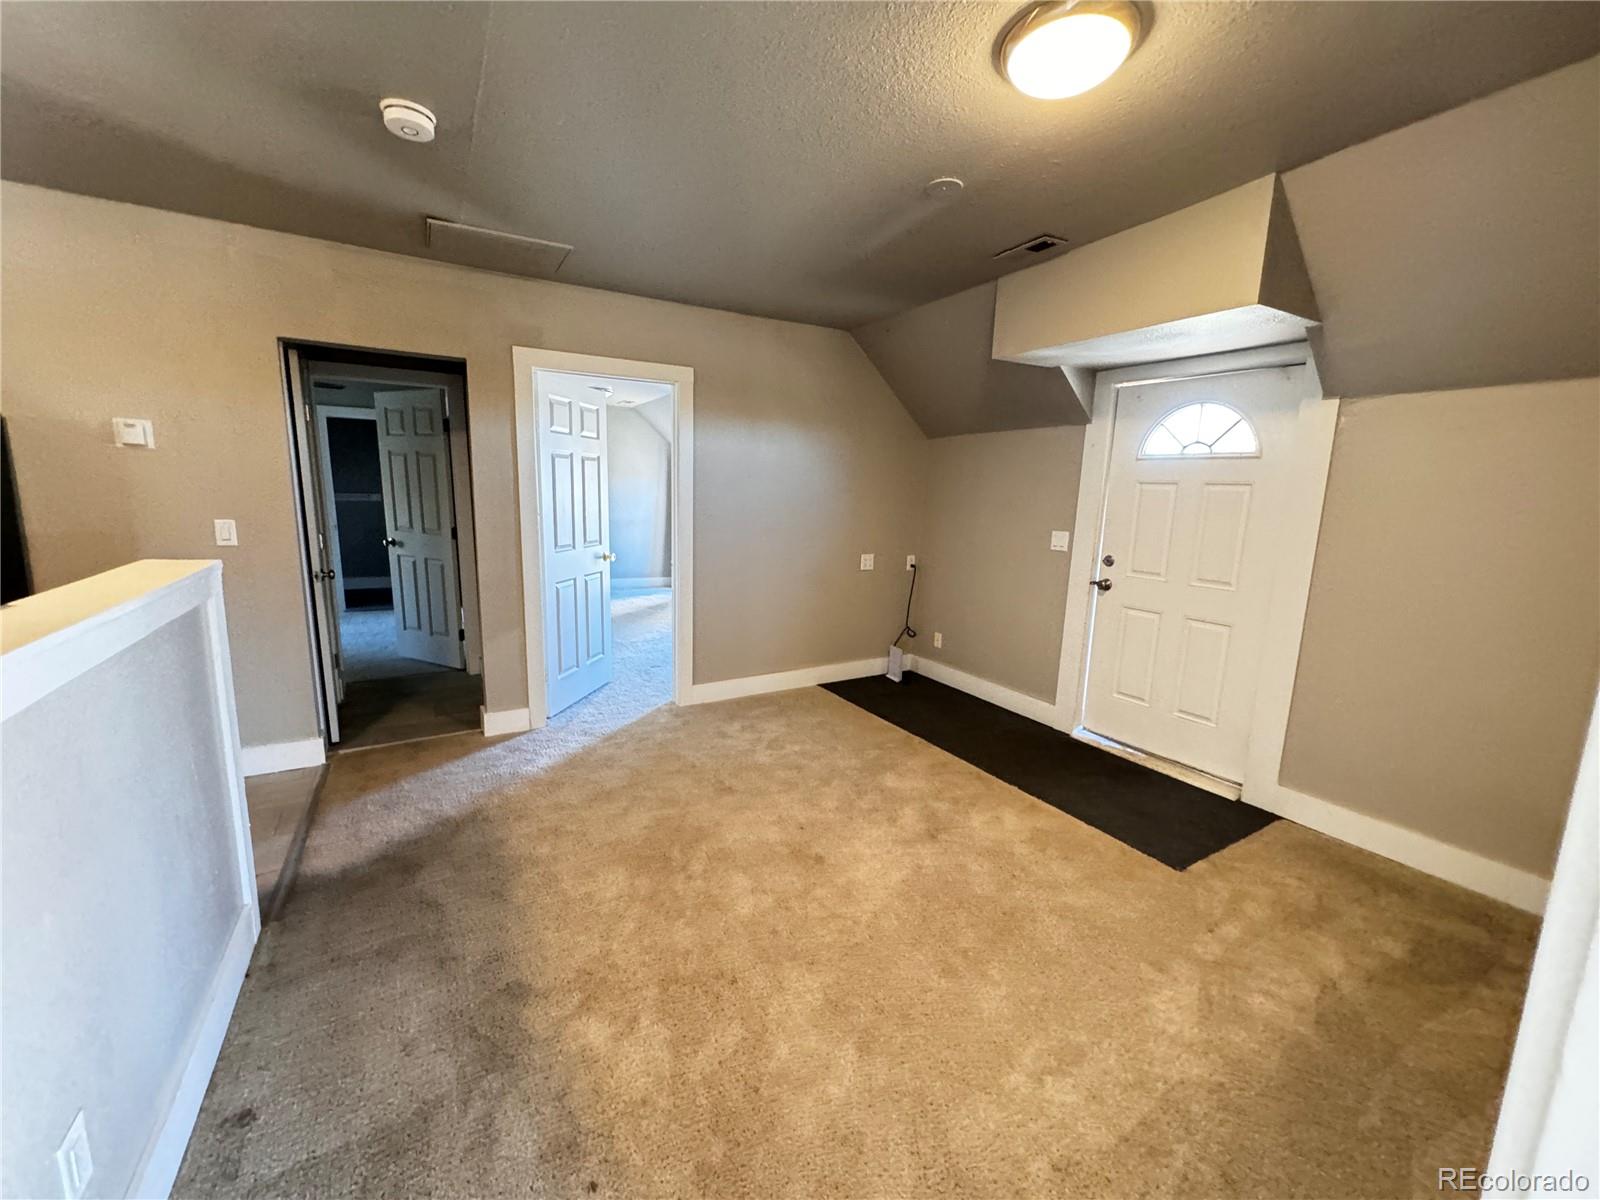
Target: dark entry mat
pixel 1172 822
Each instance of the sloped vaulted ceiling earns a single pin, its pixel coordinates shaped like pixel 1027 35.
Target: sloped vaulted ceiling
pixel 938 360
pixel 1462 251
pixel 1458 252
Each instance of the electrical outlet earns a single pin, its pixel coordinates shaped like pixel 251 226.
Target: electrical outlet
pixel 938 641
pixel 866 561
pixel 227 532
pixel 1060 539
pixel 911 561
pixel 73 1161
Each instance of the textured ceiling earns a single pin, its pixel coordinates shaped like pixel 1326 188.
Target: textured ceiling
pixel 765 158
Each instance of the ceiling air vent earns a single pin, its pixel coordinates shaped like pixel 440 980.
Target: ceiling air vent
pixel 493 250
pixel 1038 245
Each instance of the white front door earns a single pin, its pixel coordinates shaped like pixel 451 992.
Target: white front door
pixel 575 537
pixel 419 521
pixel 1185 563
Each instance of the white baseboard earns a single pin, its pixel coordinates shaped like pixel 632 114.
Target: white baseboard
pixel 1516 887
pixel 783 681
pixel 1521 889
pixel 1009 699
pixel 640 583
pixel 282 756
pixel 158 1168
pixel 505 720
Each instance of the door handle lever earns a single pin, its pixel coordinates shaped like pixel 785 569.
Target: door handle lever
pixel 388 541
pixel 1103 584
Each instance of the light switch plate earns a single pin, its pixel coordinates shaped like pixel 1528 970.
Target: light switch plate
pixel 73 1162
pixel 133 431
pixel 867 561
pixel 938 641
pixel 227 532
pixel 1060 539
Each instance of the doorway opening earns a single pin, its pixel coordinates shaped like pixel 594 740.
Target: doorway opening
pixel 386 504
pixel 1198 508
pixel 606 541
pixel 604 452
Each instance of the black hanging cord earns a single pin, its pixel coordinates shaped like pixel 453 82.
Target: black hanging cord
pixel 908 632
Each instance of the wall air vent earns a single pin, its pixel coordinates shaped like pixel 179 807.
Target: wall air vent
pixel 1039 245
pixel 494 250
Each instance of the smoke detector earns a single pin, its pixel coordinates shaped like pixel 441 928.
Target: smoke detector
pixel 407 120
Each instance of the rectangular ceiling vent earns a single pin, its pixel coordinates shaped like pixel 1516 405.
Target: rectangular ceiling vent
pixel 1038 245
pixel 494 250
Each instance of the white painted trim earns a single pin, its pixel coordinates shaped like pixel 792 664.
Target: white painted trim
pixel 272 757
pixel 1293 554
pixel 783 681
pixel 641 583
pixel 1521 889
pixel 1547 1115
pixel 1312 452
pixel 1299 529
pixel 158 1167
pixel 525 361
pixel 503 721
pixel 322 615
pixel 1009 699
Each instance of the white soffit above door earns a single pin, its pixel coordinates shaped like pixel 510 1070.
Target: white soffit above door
pixel 1225 274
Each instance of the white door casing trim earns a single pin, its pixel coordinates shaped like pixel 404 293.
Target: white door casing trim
pixel 525 361
pixel 1294 543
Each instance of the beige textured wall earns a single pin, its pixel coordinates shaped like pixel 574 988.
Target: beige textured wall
pixel 1452 640
pixel 803 457
pixel 639 492
pixel 988 578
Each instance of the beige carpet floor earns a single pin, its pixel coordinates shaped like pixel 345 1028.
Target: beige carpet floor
pixel 777 947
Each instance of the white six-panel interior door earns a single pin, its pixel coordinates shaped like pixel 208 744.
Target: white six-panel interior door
pixel 576 537
pixel 1185 564
pixel 419 520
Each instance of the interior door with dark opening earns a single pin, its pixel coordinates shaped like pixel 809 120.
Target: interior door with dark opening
pixel 419 520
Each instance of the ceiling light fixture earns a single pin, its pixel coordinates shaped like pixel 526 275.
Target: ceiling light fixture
pixel 407 119
pixel 1065 47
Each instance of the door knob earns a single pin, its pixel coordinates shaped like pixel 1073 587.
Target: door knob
pixel 1103 584
pixel 606 556
pixel 391 541
pixel 322 574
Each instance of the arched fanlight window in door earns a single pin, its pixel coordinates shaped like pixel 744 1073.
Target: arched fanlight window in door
pixel 1199 430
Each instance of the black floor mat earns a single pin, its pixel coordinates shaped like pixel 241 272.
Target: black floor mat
pixel 1172 822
